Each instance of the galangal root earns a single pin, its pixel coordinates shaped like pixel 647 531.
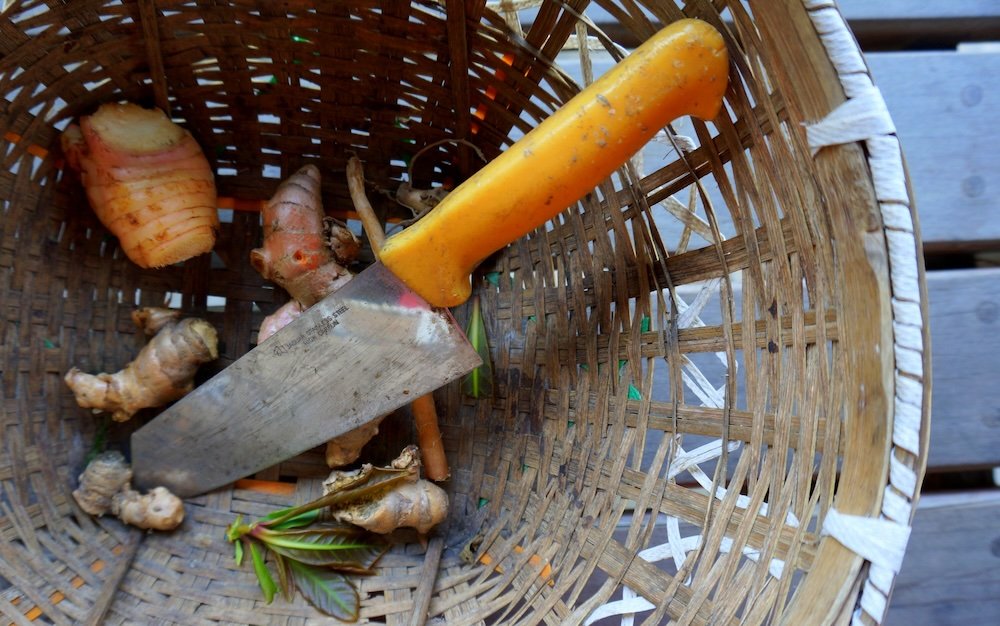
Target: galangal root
pixel 406 501
pixel 162 372
pixel 147 180
pixel 105 487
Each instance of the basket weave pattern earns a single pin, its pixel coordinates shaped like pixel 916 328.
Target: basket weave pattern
pixel 710 377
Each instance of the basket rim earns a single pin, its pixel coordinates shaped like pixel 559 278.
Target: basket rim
pixel 859 117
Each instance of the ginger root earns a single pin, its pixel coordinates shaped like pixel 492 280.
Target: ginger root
pixel 162 372
pixel 105 486
pixel 296 254
pixel 398 498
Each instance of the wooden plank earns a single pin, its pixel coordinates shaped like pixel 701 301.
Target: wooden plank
pixel 882 24
pixel 900 10
pixel 965 348
pixel 947 113
pixel 951 572
pixel 897 24
pixel 882 11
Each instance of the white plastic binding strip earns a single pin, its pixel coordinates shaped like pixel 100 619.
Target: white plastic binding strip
pixel 865 117
pixel 882 542
pixel 858 118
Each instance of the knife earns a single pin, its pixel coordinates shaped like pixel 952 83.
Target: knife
pixel 387 337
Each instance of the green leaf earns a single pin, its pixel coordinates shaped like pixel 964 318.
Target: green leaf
pixel 296 521
pixel 479 382
pixel 339 547
pixel 238 548
pixel 327 590
pixel 263 574
pixel 237 529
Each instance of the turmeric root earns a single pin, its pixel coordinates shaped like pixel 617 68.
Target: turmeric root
pixel 295 254
pixel 105 486
pixel 424 411
pixel 397 496
pixel 162 372
pixel 147 180
pixel 425 418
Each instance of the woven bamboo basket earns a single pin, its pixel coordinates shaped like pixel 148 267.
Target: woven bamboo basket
pixel 710 376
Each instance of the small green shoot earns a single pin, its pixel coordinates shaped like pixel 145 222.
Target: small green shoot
pixel 479 382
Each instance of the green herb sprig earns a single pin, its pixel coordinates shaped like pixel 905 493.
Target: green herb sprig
pixel 311 552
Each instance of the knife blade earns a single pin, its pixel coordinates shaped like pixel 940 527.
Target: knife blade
pixel 311 381
pixel 386 337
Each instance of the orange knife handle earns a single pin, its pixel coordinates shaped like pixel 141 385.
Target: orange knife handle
pixel 682 70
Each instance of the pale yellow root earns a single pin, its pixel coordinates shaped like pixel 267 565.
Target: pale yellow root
pixel 419 201
pixel 421 505
pixel 162 372
pixel 411 503
pixel 105 476
pixel 150 319
pixel 157 510
pixel 341 480
pixel 346 448
pixel 105 488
